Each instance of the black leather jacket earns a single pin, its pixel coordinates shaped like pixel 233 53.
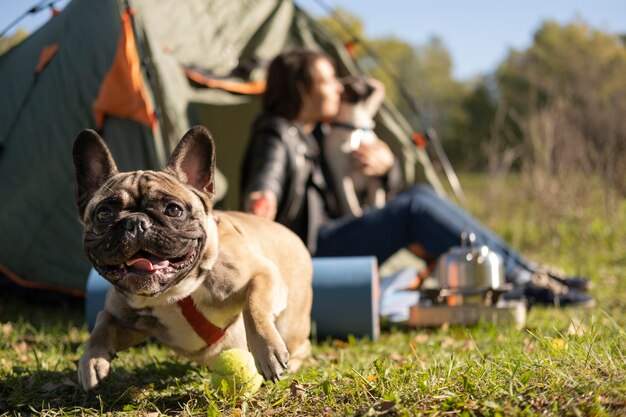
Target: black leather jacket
pixel 284 159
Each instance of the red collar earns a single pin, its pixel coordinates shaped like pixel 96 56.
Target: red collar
pixel 209 332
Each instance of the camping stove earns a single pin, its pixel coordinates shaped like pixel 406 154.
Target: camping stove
pixel 466 306
pixel 469 282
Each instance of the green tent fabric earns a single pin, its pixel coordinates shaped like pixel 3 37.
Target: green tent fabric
pixel 42 112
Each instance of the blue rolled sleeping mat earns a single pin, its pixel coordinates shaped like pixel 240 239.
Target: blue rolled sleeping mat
pixel 345 297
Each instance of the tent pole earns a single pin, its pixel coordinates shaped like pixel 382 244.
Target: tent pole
pixel 33 10
pixel 149 76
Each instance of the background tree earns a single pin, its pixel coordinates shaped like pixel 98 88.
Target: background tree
pixel 438 94
pixel 470 146
pixel 8 42
pixel 567 97
pixel 555 110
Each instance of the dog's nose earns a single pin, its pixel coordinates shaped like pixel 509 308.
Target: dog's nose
pixel 137 225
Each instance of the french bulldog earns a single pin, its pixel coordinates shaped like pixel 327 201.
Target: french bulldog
pixel 353 125
pixel 198 280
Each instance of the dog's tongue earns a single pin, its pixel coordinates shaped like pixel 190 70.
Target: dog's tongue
pixel 151 263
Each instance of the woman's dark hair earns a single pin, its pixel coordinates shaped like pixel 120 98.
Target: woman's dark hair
pixel 287 72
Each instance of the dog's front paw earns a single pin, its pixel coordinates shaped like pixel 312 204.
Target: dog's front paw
pixel 271 359
pixel 92 369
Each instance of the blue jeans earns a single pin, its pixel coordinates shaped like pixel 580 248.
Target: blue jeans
pixel 419 216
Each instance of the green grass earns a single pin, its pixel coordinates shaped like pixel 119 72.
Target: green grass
pixel 566 362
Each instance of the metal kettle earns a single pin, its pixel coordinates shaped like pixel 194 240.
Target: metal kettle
pixel 470 268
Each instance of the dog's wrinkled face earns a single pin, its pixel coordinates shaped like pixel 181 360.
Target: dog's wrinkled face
pixel 145 231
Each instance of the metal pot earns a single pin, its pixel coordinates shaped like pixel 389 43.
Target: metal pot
pixel 468 268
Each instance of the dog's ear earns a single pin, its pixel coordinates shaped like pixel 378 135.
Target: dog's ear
pixel 356 89
pixel 94 165
pixel 193 160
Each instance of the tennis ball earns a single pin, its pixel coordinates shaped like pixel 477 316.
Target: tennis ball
pixel 233 373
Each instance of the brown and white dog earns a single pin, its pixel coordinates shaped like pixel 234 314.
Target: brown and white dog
pixel 198 280
pixel 354 125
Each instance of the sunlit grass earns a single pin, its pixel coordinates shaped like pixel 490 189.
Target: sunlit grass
pixel 564 362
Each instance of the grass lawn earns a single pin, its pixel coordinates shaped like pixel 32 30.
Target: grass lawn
pixel 564 362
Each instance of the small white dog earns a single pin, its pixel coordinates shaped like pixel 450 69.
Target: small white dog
pixel 354 125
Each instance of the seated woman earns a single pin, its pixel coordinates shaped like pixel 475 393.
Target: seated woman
pixel 285 178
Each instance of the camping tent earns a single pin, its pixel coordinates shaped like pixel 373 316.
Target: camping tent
pixel 141 76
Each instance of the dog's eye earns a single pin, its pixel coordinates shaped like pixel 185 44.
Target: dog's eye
pixel 173 210
pixel 104 214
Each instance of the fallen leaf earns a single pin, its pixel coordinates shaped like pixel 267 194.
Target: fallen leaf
pixel 529 344
pixel 468 345
pixel 51 386
pixel 381 409
pixel 422 338
pixel 68 382
pixel 28 384
pixel 576 328
pixel 447 342
pixel 385 406
pixel 340 344
pixel 20 346
pixel 7 329
pixel 269 412
pixel 74 335
pixel 297 390
pixel 615 403
pixel 312 361
pixel 397 358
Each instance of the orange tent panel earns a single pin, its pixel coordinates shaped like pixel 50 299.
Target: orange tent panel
pixel 47 53
pixel 123 93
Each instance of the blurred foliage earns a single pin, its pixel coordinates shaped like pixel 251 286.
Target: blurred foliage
pixel 473 126
pixel 8 42
pixel 553 111
pixel 568 60
pixel 566 97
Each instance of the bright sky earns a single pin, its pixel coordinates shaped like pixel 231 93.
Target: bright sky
pixel 10 10
pixel 478 33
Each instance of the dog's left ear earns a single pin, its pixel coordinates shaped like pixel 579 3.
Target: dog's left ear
pixel 193 160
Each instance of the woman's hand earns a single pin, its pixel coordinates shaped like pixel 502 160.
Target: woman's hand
pixel 374 158
pixel 261 203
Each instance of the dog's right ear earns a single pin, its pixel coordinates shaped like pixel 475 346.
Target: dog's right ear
pixel 94 165
pixel 193 160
